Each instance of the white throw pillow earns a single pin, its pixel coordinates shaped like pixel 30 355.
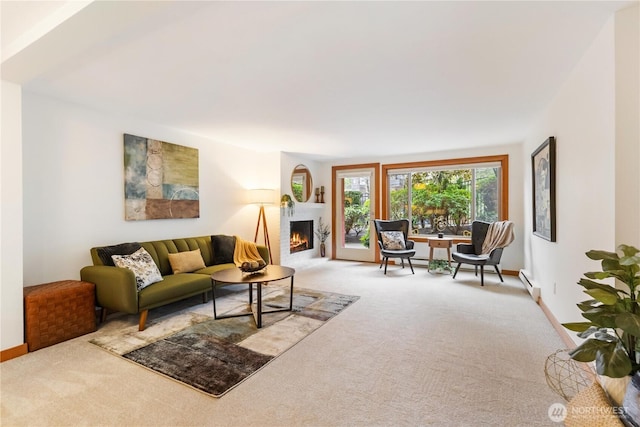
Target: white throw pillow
pixel 142 265
pixel 393 240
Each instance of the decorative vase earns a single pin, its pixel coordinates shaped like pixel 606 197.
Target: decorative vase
pixel 322 249
pixel 631 402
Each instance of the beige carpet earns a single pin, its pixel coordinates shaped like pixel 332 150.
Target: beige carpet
pixel 414 350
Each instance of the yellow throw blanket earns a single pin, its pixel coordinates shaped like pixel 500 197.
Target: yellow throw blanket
pixel 499 235
pixel 245 252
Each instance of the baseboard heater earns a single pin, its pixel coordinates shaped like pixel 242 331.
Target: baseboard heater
pixel 531 287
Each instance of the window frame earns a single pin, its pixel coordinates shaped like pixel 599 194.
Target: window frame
pixel 503 159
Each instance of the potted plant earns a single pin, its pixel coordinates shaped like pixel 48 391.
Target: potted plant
pixel 287 204
pixel 612 330
pixel 323 233
pixel 439 266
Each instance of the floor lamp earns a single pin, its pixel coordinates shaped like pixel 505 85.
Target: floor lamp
pixel 262 197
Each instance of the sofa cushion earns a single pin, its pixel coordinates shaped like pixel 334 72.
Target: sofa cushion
pixel 393 240
pixel 174 287
pixel 142 265
pixel 105 253
pixel 223 248
pixel 214 268
pixel 186 262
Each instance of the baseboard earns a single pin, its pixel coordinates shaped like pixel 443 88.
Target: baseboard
pixel 12 353
pixel 529 284
pixel 561 330
pixel 510 273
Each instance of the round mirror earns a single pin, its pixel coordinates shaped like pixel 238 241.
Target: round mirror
pixel 301 183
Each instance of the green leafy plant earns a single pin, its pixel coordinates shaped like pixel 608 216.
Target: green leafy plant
pixel 612 332
pixel 439 264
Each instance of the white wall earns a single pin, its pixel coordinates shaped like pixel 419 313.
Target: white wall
pixel 581 117
pixel 512 258
pixel 11 329
pixel 627 56
pixel 74 180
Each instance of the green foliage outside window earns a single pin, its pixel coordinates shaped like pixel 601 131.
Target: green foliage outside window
pixel 356 215
pixel 444 197
pixel 296 188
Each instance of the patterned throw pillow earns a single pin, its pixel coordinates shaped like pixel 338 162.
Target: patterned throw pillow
pixel 393 240
pixel 142 265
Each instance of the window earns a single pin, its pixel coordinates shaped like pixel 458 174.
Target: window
pixel 447 196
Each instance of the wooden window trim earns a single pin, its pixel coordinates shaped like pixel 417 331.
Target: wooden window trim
pixel 376 208
pixel 503 159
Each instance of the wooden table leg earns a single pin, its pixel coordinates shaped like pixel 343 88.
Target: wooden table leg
pixel 430 257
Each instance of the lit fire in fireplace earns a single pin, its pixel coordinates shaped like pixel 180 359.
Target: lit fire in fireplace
pixel 298 243
pixel 300 236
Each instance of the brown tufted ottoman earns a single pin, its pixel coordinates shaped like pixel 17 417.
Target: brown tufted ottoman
pixel 58 311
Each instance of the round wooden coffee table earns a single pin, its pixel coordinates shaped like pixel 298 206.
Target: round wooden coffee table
pixel 235 276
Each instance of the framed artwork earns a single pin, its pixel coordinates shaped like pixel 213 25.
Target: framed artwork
pixel 543 168
pixel 161 180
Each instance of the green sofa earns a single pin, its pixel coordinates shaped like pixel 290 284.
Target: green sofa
pixel 116 288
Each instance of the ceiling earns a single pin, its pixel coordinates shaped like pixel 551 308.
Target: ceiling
pixel 327 79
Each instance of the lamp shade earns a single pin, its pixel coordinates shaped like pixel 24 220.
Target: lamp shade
pixel 262 196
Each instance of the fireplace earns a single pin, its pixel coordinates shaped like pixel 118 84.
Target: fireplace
pixel 301 236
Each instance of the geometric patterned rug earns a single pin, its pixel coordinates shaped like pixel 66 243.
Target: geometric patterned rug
pixel 214 356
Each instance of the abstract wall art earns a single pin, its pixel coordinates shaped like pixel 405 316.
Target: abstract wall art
pixel 161 180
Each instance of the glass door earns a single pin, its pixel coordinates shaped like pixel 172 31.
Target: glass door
pixel 355 208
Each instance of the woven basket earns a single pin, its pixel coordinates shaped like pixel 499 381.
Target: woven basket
pixel 591 408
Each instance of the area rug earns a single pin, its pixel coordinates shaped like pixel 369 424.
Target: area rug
pixel 214 356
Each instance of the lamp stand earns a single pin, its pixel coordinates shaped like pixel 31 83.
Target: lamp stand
pixel 265 231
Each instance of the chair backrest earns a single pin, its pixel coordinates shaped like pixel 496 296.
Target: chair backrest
pixel 392 225
pixel 478 234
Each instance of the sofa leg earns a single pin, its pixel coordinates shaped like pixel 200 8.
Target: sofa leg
pixel 143 320
pixel 103 314
pixel 205 297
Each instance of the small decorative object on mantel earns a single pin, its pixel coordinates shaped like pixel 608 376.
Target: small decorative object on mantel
pixel 322 194
pixel 287 205
pixel 323 233
pixel 317 195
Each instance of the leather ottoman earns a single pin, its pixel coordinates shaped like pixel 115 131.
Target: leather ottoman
pixel 58 311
